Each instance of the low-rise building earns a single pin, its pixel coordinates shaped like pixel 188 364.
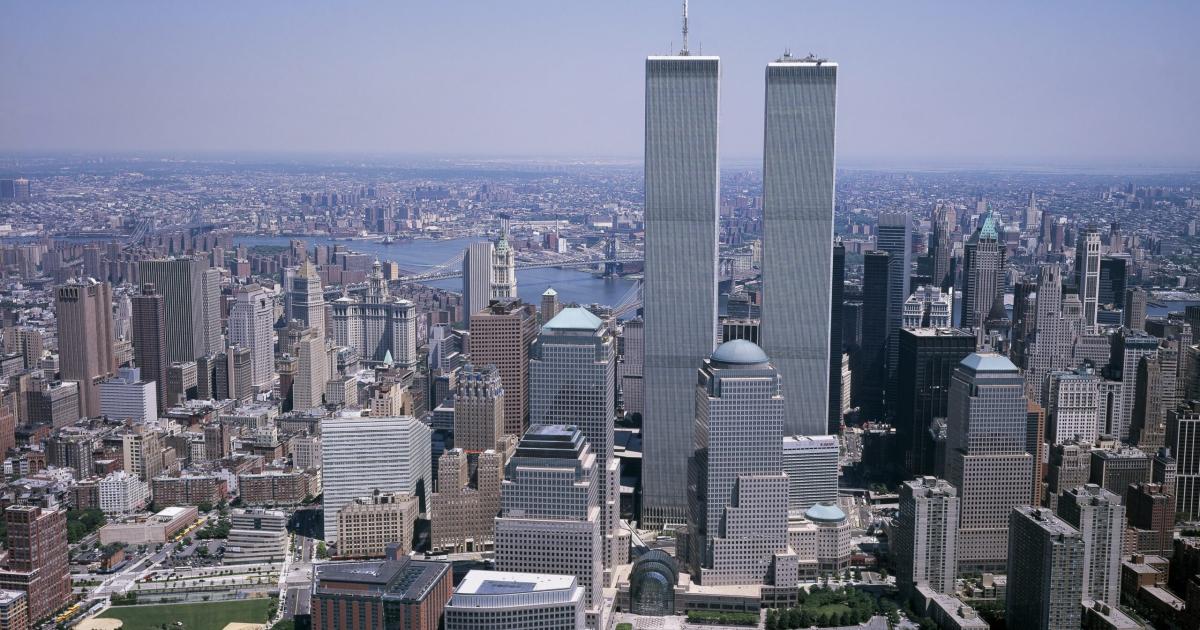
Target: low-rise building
pixel 495 599
pixel 275 487
pixel 367 525
pixel 14 610
pixel 362 595
pixel 122 493
pixel 189 490
pixel 158 528
pixel 256 535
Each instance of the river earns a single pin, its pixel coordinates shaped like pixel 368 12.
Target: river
pixel 572 285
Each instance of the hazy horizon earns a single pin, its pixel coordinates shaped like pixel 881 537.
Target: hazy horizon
pixel 1099 84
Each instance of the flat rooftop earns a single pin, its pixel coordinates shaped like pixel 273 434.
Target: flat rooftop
pixel 508 583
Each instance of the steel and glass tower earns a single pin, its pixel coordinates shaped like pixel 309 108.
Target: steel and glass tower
pixel 798 155
pixel 680 305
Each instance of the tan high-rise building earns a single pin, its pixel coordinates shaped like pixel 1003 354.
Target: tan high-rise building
pixel 367 525
pixel 312 370
pixel 85 338
pixel 463 517
pixel 478 409
pixel 501 335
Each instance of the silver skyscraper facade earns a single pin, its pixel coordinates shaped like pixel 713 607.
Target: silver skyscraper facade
pixel 798 176
pixel 680 307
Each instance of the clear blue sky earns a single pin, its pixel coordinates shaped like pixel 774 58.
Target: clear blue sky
pixel 1068 81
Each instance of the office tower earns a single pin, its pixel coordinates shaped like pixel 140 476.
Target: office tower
pixel 1050 345
pixel 1087 274
pixel 1031 213
pixel 1151 511
pixel 368 525
pixel 941 248
pixel 477 278
pixel 1128 348
pixel 1115 469
pixel 363 454
pixel 70 450
pixel 1112 280
pixel 811 463
pixel 504 266
pixel 150 338
pixel 1183 438
pixel 1157 392
pixel 631 367
pixel 986 456
pixel 478 408
pixel 181 283
pixel 210 308
pixel 501 335
pixel 1045 571
pixel 1072 399
pixel 1100 519
pixel 732 456
pixel 394 593
pixel 927 307
pixel 1035 445
pixel 927 535
pixel 928 358
pixel 495 599
pixel 312 371
pixel 869 372
pixel 895 238
pixel 573 381
pixel 550 305
pixel 983 271
pixel 561 536
pixel 837 295
pixel 127 397
pixel 798 177
pixel 1134 316
pixel 37 558
pixel 306 298
pixel 232 375
pixel 141 452
pixel 380 327
pixel 1163 470
pixel 83 310
pixel 252 326
pixel 680 286
pixel 463 514
pixel 183 384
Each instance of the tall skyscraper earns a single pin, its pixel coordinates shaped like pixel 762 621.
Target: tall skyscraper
pixel 150 339
pixel 738 437
pixel 463 514
pixel 382 328
pixel 632 366
pixel 1134 315
pixel 37 558
pixel 928 358
pixel 1072 405
pixel 210 307
pixel 986 456
pixel 477 278
pixel 870 360
pixel 573 381
pixel 561 536
pixel 812 465
pixel 1183 438
pixel 1112 280
pixel 941 248
pixel 501 335
pixel 680 286
pixel 798 178
pixel 360 455
pixel 252 326
pixel 550 306
pixel 1087 274
pixel 478 408
pixel 1045 571
pixel 83 311
pixel 837 295
pixel 1128 348
pixel 895 238
pixel 182 285
pixel 1049 342
pixel 504 265
pixel 312 371
pixel 1100 519
pixel 927 535
pixel 306 298
pixel 983 271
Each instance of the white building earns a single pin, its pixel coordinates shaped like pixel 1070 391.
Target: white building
pixel 1072 400
pixel 379 326
pixel 926 538
pixel 252 325
pixel 122 493
pixel 811 463
pixel 257 535
pixel 363 454
pixel 127 397
pixel 1100 519
pixel 927 307
pixel 492 599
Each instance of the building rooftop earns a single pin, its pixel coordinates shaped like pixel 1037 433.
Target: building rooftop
pixel 573 318
pixel 739 352
pixel 825 513
pixel 988 362
pixel 507 583
pixel 404 579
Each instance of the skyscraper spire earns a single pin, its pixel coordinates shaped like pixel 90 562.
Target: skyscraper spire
pixel 685 29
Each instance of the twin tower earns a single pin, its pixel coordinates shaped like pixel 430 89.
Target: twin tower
pixel 682 224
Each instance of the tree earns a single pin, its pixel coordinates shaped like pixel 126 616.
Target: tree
pixel 322 551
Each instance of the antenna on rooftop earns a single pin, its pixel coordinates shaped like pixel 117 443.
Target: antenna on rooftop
pixel 685 29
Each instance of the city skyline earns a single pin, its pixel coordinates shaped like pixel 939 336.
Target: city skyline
pixel 355 84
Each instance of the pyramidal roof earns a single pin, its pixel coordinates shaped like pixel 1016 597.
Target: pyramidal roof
pixel 990 228
pixel 574 318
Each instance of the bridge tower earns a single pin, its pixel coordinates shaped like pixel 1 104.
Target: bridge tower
pixel 612 250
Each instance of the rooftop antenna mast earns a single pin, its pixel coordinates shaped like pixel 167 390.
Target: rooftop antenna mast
pixel 685 29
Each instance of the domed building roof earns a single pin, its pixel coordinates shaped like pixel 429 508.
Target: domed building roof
pixel 739 352
pixel 825 513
